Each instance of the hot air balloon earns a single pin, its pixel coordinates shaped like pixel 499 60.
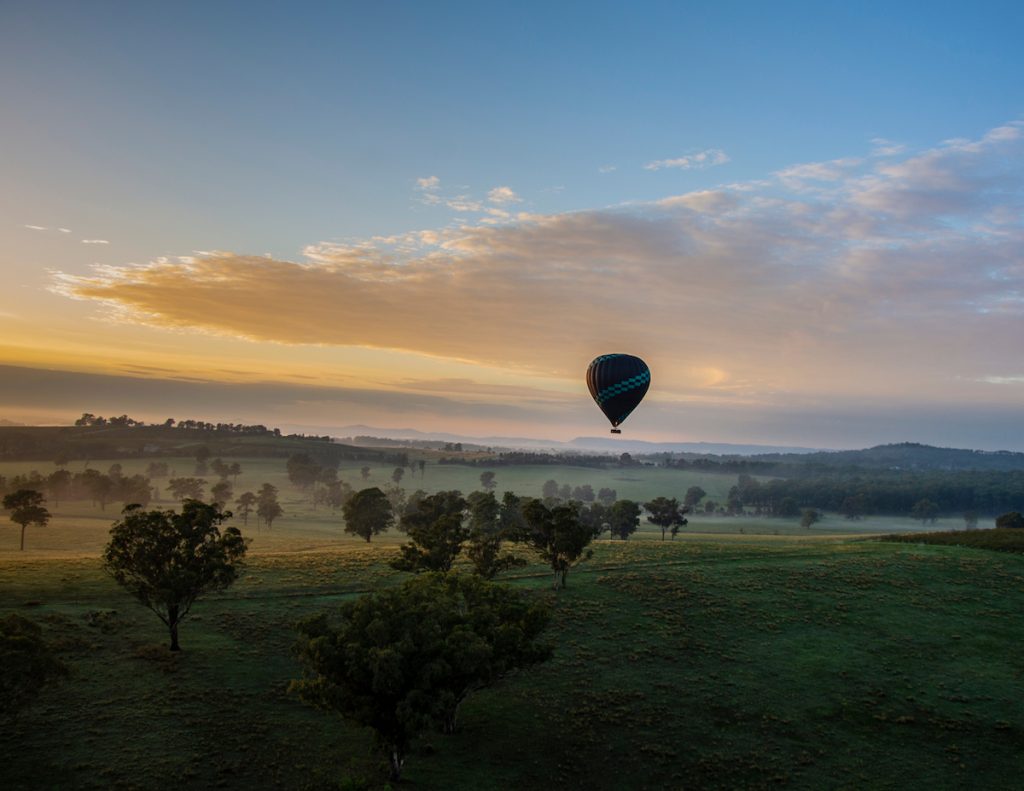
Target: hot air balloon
pixel 618 382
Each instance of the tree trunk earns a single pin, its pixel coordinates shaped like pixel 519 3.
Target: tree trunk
pixel 396 760
pixel 172 624
pixel 23 538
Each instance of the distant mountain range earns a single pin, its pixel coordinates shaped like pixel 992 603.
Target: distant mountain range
pixel 892 457
pixel 581 444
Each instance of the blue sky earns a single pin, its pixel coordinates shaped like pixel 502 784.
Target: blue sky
pixel 155 131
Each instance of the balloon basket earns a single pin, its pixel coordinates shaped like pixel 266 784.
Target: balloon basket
pixel 616 431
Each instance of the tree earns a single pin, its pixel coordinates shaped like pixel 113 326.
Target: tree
pixel 487 480
pixel 710 506
pixel 220 468
pixel 364 472
pixel 221 492
pixel 624 518
pixel 550 490
pixel 436 532
pixel 970 520
pixel 423 466
pixel 808 517
pixel 57 483
pixel 157 469
pixel 186 488
pixel 267 506
pixel 100 487
pixel 854 506
pixel 667 514
pixel 303 472
pixel 693 496
pixel 607 496
pixel 397 474
pixel 167 560
pixel 244 503
pixel 1012 519
pixel 402 660
pixel 133 490
pixel 486 535
pixel 367 513
pixel 788 507
pixel 62 459
pixel 28 663
pixel 925 510
pixel 26 507
pixel 584 493
pixel 558 535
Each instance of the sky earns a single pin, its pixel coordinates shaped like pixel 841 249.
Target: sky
pixel 806 217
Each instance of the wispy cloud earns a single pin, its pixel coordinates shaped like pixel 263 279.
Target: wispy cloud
pixel 36 227
pixel 95 241
pixel 607 168
pixel 701 159
pixel 898 277
pixel 428 183
pixel 503 195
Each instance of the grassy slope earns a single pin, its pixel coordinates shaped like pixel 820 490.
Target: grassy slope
pixel 725 664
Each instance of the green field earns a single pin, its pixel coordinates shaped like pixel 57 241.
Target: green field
pixel 78 527
pixel 749 653
pixel 733 663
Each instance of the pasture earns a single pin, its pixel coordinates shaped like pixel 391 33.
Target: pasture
pixel 79 527
pixel 747 653
pixel 726 663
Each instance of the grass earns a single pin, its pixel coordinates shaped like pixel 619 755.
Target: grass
pixel 708 662
pixel 999 539
pixel 78 527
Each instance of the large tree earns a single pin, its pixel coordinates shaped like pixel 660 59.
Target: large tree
pixel 624 518
pixel 267 506
pixel 1012 519
pixel 303 471
pixel 401 661
pixel 436 532
pixel 167 560
pixel 667 514
pixel 244 503
pixel 486 536
pixel 186 488
pixel 26 507
pixel 693 496
pixel 558 535
pixel 487 480
pixel 367 513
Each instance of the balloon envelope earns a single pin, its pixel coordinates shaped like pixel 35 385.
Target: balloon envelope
pixel 618 382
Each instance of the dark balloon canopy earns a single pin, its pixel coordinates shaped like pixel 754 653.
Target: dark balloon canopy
pixel 618 382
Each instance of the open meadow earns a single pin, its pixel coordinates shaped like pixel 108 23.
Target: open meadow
pixel 748 653
pixel 80 527
pixel 731 663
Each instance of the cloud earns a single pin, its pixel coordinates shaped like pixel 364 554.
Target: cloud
pixel 503 195
pixel 36 227
pixel 607 168
pixel 428 184
pixel 702 159
pixel 95 241
pixel 827 283
pixel 64 230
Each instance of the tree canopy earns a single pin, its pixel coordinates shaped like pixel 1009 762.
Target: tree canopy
pixel 167 560
pixel 367 513
pixel 26 507
pixel 436 532
pixel 401 661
